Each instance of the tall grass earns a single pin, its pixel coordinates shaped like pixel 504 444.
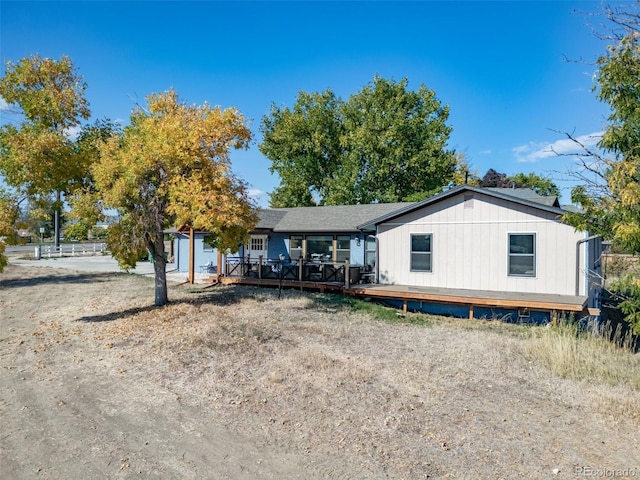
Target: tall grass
pixel 572 353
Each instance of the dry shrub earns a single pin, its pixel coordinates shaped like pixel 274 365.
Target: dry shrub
pixel 592 360
pixel 573 354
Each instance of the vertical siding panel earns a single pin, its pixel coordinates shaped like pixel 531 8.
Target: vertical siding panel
pixel 470 247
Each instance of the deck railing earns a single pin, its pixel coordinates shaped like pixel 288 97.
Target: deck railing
pixel 301 270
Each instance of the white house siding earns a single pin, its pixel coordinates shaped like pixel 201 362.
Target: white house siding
pixel 470 247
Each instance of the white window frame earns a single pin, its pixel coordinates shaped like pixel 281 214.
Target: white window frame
pixel 299 250
pixel 342 252
pixel 532 255
pixel 258 242
pixel 429 253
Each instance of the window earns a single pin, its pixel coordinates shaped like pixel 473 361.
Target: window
pixel 320 248
pixel 343 248
pixel 257 244
pixel 370 251
pixel 295 247
pixel 522 254
pixel 421 252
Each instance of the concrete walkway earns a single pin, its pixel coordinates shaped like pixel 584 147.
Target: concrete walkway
pixel 103 263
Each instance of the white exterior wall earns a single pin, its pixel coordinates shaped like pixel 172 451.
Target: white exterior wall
pixel 470 247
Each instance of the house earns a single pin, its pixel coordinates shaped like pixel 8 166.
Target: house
pixel 499 247
pixel 466 251
pixel 324 234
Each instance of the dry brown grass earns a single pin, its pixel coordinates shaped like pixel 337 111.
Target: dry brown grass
pixel 318 379
pixel 610 373
pixel 401 397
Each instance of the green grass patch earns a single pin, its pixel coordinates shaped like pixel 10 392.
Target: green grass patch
pixel 373 309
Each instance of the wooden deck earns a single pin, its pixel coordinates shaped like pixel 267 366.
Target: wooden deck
pixel 407 295
pixel 473 298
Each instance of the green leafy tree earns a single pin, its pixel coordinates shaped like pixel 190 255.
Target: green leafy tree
pixel 609 194
pixel 385 144
pixel 609 191
pixel 541 185
pixel 37 156
pixel 171 167
pixel 395 144
pixel 304 147
pixel 86 208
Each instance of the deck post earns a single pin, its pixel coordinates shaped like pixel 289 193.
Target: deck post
pixel 554 318
pixel 471 312
pixel 300 268
pixel 259 267
pixel 220 266
pixel 404 305
pixel 347 280
pixel 192 249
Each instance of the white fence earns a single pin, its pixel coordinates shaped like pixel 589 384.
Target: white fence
pixel 69 250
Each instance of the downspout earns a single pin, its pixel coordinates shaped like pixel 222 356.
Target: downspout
pixel 578 243
pixel 377 269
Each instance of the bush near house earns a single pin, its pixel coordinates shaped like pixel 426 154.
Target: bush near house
pixel 621 297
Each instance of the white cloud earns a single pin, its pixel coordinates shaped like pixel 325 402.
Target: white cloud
pixel 3 105
pixel 259 197
pixel 485 152
pixel 72 133
pixel 533 152
pixel 255 193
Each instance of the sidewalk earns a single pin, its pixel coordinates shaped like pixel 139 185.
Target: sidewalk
pixel 103 263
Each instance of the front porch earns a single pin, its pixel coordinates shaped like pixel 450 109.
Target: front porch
pixel 259 270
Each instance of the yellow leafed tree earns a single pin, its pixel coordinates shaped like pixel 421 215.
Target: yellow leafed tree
pixel 171 167
pixel 37 155
pixel 8 215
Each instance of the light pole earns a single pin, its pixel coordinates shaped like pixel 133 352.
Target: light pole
pixel 280 275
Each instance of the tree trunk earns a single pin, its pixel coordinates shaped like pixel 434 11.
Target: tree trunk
pixel 159 265
pixel 160 268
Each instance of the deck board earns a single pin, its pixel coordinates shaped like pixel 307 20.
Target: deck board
pixel 491 298
pixel 456 296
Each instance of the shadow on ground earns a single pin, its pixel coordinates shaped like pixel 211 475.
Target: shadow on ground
pixel 220 298
pixel 45 279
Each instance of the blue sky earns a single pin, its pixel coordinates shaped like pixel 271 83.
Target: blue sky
pixel 500 66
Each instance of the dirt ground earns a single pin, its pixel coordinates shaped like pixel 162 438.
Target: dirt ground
pixel 234 383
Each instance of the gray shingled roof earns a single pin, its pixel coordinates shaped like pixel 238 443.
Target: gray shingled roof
pixel 269 218
pixel 504 193
pixel 527 194
pixel 339 218
pixel 352 218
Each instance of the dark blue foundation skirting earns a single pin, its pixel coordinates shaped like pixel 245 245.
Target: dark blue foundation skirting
pixel 462 311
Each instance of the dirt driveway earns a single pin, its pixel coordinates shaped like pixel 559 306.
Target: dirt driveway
pixel 234 383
